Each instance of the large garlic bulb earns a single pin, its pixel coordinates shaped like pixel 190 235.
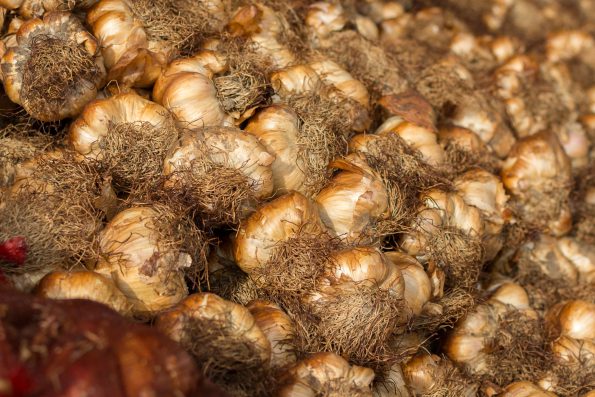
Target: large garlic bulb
pixel 352 200
pixel 485 192
pixel 274 222
pixel 538 175
pixel 329 374
pixel 186 89
pixel 141 256
pixel 204 314
pixel 277 128
pixel 54 68
pixel 221 168
pixel 139 37
pixel 278 329
pixel 126 135
pixel 573 325
pixel 84 285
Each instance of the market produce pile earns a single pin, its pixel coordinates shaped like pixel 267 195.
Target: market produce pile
pixel 297 199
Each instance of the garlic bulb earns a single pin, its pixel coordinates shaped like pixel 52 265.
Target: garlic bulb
pixel 567 44
pixel 138 253
pixel 139 37
pixel 203 316
pixel 426 374
pixel 352 201
pixel 221 169
pixel 295 80
pixel 185 88
pixel 265 29
pixel 277 128
pixel 279 330
pixel 54 69
pixel 273 223
pixel 125 134
pixel 418 287
pixel 329 374
pixel 83 285
pixel 537 174
pixel 524 389
pixel 465 150
pixel 416 136
pixel 485 192
pixel 324 18
pixel 573 325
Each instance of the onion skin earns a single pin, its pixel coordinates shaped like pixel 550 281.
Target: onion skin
pixel 88 349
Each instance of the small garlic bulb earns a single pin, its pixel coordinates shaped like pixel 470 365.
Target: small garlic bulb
pixel 538 175
pixel 274 222
pixel 327 374
pixel 186 89
pixel 84 285
pixel 199 153
pixel 277 128
pixel 324 18
pixel 524 389
pixel 418 137
pixel 54 68
pixel 418 287
pixel 279 330
pixel 485 192
pixel 138 255
pixel 353 200
pixel 204 318
pixel 295 80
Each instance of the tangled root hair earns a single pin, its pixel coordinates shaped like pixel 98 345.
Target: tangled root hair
pixel 453 306
pixel 584 213
pixel 53 209
pixel 406 175
pixel 451 383
pixel 54 72
pixel 228 359
pixel 461 159
pixel 183 24
pixel 323 128
pixel 245 86
pixel 234 285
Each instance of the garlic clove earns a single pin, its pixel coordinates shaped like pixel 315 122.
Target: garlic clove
pixel 418 288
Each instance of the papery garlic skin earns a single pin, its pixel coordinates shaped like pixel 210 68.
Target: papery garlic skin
pixel 37 8
pixel 324 18
pixel 185 88
pixel 66 29
pixel 538 174
pixel 277 129
pixel 295 80
pixel 139 261
pixel 426 373
pixel 273 223
pixel 524 389
pixel 228 147
pixel 210 310
pixel 94 123
pixel 326 372
pixel 572 323
pixel 84 285
pixel 279 330
pixel 352 200
pixel 418 288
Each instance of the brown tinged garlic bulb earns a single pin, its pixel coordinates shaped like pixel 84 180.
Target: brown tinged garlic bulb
pixel 327 374
pixel 352 200
pixel 572 324
pixel 274 222
pixel 221 170
pixel 84 285
pixel 538 175
pixel 37 8
pixel 485 191
pixel 465 150
pixel 524 389
pixel 127 136
pixel 55 67
pixel 141 254
pixel 418 287
pixel 278 329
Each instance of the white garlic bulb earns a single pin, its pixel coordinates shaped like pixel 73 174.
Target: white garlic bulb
pixel 418 288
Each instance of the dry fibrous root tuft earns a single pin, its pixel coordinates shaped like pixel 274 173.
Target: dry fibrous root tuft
pixel 462 160
pixel 18 143
pixel 452 383
pixel 234 285
pixel 228 360
pixel 54 69
pixel 54 210
pixel 324 129
pixel 583 210
pixel 453 306
pixel 405 175
pixel 133 153
pixel 182 24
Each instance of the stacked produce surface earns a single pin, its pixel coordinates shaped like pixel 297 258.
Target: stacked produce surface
pixel 294 198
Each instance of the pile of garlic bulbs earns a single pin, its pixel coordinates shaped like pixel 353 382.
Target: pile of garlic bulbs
pixel 333 198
